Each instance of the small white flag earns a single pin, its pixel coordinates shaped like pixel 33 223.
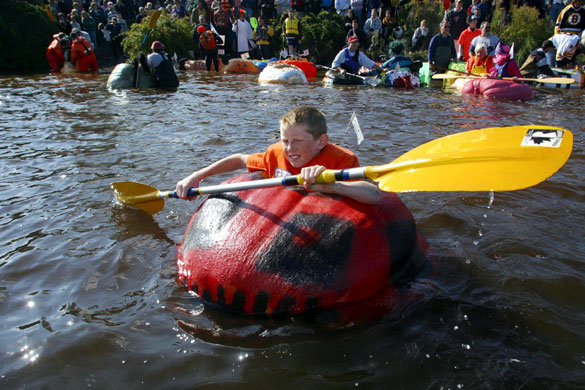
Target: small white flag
pixel 356 127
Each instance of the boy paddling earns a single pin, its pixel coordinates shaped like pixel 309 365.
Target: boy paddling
pixel 303 149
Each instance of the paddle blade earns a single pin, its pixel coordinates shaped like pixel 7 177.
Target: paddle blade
pixel 372 81
pixel 138 195
pixel 554 80
pixel 492 159
pixel 154 19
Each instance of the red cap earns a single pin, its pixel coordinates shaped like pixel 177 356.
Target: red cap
pixel 242 12
pixel 353 38
pixel 200 29
pixel 157 46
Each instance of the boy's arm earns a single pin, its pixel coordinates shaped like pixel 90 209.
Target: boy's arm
pixel 362 191
pixel 227 164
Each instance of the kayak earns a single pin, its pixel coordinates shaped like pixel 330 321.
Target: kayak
pixel 279 73
pixel 498 89
pixel 285 251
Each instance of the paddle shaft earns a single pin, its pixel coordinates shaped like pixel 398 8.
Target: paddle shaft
pixel 335 70
pixel 367 80
pixel 548 80
pixel 328 176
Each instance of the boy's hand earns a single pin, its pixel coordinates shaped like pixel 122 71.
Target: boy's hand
pixel 310 174
pixel 183 186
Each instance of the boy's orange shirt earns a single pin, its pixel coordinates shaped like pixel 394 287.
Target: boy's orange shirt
pixel 274 163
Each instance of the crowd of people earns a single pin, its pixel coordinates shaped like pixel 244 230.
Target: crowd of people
pixel 243 28
pixel 460 39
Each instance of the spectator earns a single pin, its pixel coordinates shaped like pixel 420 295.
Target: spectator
pixel 373 27
pixel 202 9
pixel 266 9
pixel 262 36
pixel 116 35
pixel 251 7
pixel 356 31
pixel 97 13
pixel 88 24
pixel 487 38
pixel 244 34
pixel 178 10
pixel 298 6
pixel 420 36
pixel 571 20
pixel 358 8
pixel 464 42
pixel 458 19
pixel 292 33
pixel 342 7
pixel 282 6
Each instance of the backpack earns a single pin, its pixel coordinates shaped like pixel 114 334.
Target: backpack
pixel 207 40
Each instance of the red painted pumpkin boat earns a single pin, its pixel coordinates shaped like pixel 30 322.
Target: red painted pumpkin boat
pixel 307 67
pixel 286 251
pixel 498 89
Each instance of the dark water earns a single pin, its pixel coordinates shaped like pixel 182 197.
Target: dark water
pixel 87 291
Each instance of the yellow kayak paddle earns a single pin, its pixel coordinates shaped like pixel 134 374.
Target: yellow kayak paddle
pixel 548 80
pixel 151 24
pixel 492 159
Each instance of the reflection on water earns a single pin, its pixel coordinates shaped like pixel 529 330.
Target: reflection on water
pixel 87 287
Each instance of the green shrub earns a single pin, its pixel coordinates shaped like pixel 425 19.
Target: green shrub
pixel 23 47
pixel 323 35
pixel 175 34
pixel 526 30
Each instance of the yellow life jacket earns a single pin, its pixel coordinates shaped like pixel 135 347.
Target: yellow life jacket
pixel 478 69
pixel 291 26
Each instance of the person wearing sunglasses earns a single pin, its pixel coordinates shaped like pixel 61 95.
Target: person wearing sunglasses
pixel 442 48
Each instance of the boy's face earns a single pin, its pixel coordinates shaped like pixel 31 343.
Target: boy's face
pixel 299 146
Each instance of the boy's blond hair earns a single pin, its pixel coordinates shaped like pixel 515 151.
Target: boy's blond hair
pixel 308 116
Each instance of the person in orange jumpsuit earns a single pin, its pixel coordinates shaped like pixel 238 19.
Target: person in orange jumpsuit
pixel 55 52
pixel 82 55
